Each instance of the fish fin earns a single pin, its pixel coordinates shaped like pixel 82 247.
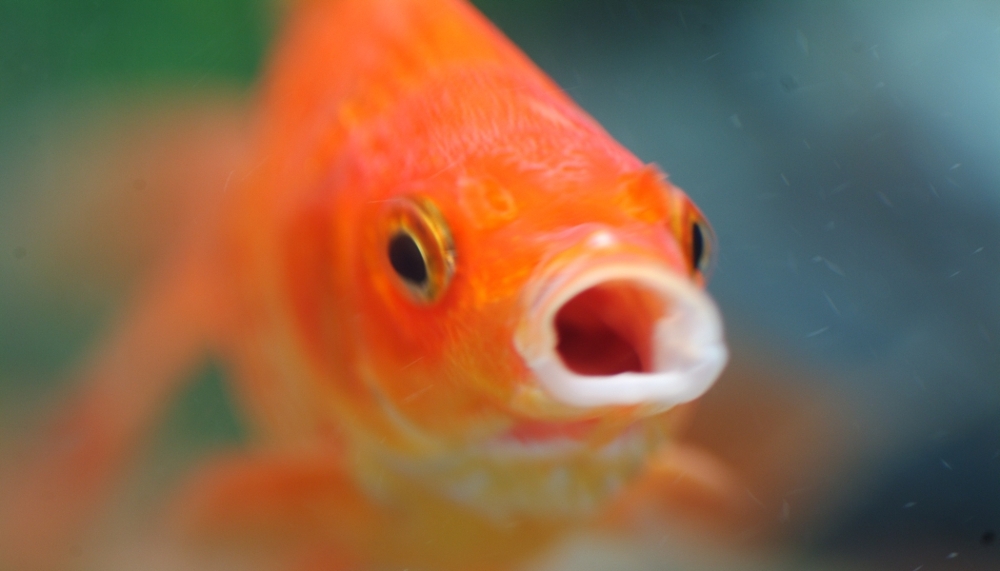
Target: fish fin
pixel 54 486
pixel 274 504
pixel 112 204
pixel 754 453
pixel 688 485
pixel 785 433
pixel 104 194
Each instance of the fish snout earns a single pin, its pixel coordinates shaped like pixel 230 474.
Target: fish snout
pixel 620 328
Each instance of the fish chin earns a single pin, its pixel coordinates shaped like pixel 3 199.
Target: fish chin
pixel 507 475
pixel 552 479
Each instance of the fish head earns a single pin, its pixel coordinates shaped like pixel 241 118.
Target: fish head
pixel 527 307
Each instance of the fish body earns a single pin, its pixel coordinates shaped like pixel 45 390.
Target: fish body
pixel 460 316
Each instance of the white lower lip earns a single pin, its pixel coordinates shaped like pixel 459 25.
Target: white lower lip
pixel 688 348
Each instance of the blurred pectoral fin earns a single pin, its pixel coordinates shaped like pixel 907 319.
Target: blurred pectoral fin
pixel 686 485
pixel 762 447
pixel 294 506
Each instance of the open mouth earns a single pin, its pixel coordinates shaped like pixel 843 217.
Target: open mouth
pixel 608 329
pixel 622 332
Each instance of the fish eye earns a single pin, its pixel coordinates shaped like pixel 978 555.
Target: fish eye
pixel 697 244
pixel 407 259
pixel 419 248
pixel 701 247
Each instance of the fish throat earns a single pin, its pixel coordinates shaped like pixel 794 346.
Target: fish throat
pixel 608 329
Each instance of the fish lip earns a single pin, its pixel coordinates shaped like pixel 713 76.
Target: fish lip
pixel 688 346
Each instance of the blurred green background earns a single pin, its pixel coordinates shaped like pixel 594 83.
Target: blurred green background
pixel 54 47
pixel 51 46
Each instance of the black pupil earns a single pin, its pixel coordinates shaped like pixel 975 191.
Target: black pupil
pixel 697 245
pixel 407 260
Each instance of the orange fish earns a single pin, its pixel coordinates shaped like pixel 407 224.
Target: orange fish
pixel 460 317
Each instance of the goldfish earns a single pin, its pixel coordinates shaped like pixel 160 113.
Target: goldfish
pixel 460 318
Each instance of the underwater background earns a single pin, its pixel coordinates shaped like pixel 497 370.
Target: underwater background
pixel 847 153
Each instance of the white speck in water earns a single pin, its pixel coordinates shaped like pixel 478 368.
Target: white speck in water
pixel 417 393
pixel 918 568
pixel 830 265
pixel 880 85
pixel 841 187
pixel 806 142
pixel 945 464
pixel 735 120
pixel 909 505
pixel 952 555
pixel 785 179
pixel 954 274
pixel 711 57
pixel 802 41
pixel 229 178
pixel 786 512
pixel 833 306
pixel 818 332
pixel 979 249
pixel 933 190
pixel 884 199
pixel 955 166
pixel 414 362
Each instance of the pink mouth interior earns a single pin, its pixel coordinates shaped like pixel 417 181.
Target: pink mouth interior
pixel 608 329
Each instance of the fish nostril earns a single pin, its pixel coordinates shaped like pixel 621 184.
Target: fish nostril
pixel 608 329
